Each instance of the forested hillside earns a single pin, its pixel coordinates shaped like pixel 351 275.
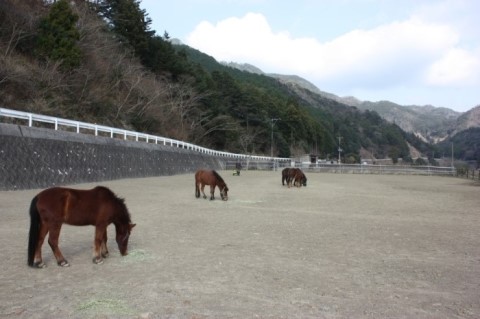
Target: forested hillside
pixel 100 62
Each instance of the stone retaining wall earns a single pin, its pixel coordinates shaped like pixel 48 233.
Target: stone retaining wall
pixel 39 158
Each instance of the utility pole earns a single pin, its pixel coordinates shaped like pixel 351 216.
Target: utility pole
pixel 273 121
pixel 339 149
pixel 452 154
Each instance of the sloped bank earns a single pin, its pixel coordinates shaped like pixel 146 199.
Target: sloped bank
pixel 38 158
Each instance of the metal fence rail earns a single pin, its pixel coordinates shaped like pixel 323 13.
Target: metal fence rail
pixel 382 169
pixel 346 168
pixel 87 128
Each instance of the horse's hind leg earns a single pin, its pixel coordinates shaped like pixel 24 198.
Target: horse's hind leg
pixel 37 260
pixel 53 242
pixel 197 190
pixel 203 191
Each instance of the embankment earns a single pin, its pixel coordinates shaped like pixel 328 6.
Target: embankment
pixel 33 157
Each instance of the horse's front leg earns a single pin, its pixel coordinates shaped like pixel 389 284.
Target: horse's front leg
pixel 53 242
pixel 100 233
pixel 296 182
pixel 203 191
pixel 104 248
pixel 212 192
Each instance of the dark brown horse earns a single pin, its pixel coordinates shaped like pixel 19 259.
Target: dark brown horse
pixel 296 177
pixel 207 177
pixel 56 206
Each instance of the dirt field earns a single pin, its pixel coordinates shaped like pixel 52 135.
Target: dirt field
pixel 345 246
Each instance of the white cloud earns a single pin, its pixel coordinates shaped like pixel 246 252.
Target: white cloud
pixel 412 52
pixel 456 68
pixel 368 52
pixel 249 39
pixel 390 48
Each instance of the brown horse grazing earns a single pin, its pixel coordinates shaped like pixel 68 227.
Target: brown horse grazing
pixel 56 206
pixel 206 177
pixel 296 177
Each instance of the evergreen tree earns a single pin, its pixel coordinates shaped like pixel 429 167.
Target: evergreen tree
pixel 162 57
pixel 129 22
pixel 58 36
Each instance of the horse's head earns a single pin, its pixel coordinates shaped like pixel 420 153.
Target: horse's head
pixel 123 233
pixel 304 181
pixel 224 193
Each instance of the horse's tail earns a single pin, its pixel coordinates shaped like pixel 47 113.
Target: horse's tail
pixel 34 230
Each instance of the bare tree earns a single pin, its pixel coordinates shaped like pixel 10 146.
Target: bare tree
pixel 247 138
pixel 182 101
pixel 17 22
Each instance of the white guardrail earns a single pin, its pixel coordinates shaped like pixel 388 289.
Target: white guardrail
pixel 380 169
pixel 125 134
pixel 349 168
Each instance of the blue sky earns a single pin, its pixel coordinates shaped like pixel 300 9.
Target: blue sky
pixel 411 52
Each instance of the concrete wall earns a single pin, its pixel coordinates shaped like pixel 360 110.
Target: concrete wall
pixel 40 158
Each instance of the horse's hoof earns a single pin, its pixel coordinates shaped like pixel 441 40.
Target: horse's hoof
pixel 105 255
pixel 97 260
pixel 205 197
pixel 39 265
pixel 63 263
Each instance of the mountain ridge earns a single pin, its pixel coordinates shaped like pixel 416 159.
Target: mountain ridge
pixel 430 123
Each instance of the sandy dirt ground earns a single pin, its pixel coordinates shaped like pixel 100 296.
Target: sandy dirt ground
pixel 345 246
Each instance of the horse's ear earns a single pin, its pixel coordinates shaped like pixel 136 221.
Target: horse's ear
pixel 132 225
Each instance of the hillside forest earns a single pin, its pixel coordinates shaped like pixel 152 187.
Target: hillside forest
pixel 100 62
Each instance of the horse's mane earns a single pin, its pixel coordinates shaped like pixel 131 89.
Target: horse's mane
pixel 119 201
pixel 218 176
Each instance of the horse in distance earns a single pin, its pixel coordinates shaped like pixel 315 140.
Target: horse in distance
pixel 213 179
pixel 53 207
pixel 296 177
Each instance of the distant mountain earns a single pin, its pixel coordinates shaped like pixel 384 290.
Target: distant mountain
pixel 319 118
pixel 436 125
pixel 427 122
pixel 432 124
pixel 467 120
pixel 244 67
pixel 291 80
